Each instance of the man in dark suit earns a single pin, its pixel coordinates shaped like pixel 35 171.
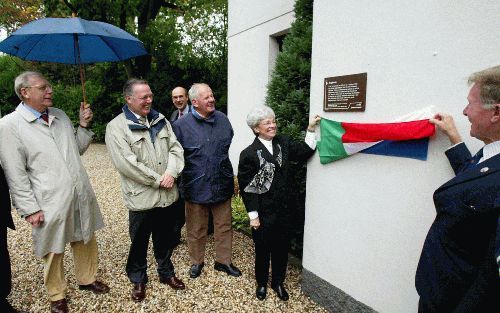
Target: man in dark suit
pixel 458 270
pixel 180 101
pixel 6 222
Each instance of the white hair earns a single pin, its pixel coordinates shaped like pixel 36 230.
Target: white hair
pixel 195 89
pixel 22 79
pixel 258 114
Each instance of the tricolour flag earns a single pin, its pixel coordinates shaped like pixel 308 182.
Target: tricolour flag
pixel 404 139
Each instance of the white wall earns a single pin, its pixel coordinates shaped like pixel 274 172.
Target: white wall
pixel 251 23
pixel 367 216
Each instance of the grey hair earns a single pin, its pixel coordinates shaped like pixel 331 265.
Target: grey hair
pixel 258 114
pixel 22 79
pixel 129 85
pixel 489 81
pixel 195 89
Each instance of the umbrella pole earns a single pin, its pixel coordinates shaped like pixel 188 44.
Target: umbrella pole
pixel 82 79
pixel 82 71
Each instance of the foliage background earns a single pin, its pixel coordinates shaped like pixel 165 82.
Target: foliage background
pixel 186 41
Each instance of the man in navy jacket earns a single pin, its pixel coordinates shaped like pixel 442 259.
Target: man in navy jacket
pixel 458 270
pixel 207 179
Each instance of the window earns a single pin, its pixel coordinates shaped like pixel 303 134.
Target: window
pixel 275 47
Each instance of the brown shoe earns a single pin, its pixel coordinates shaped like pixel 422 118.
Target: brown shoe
pixel 173 282
pixel 139 292
pixel 59 306
pixel 96 287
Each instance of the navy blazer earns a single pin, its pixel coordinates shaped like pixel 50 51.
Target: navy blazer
pixel 272 204
pixel 5 207
pixel 457 271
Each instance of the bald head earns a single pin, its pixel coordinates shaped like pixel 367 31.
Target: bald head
pixel 179 98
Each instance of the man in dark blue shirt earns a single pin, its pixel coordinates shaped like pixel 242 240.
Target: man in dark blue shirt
pixel 207 179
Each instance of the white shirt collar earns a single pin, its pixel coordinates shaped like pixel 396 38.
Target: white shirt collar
pixel 490 150
pixel 268 144
pixel 139 118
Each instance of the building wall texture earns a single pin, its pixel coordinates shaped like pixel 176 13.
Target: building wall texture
pixel 367 216
pixel 251 24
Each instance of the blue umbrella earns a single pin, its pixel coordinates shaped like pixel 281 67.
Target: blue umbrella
pixel 72 41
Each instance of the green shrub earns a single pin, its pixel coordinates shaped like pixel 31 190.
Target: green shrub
pixel 9 69
pixel 69 97
pixel 241 222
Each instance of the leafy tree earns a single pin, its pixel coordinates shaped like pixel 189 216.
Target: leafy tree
pixel 14 13
pixel 186 41
pixel 8 71
pixel 288 95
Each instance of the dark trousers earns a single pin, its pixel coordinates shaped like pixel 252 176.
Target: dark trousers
pixel 271 246
pixel 179 217
pixel 6 275
pixel 158 224
pixel 424 308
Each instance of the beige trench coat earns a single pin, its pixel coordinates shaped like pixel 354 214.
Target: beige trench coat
pixel 45 172
pixel 141 163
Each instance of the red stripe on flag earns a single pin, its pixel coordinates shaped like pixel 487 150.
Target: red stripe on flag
pixel 358 132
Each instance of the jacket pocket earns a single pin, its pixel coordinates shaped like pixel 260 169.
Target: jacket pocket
pixel 138 147
pixel 190 178
pixel 226 167
pixel 133 189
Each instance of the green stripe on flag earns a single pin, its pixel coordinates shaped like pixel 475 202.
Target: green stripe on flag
pixel 330 147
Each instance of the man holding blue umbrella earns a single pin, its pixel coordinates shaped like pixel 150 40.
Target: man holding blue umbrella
pixel 49 186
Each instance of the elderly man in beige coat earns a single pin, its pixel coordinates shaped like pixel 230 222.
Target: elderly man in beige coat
pixel 49 185
pixel 149 158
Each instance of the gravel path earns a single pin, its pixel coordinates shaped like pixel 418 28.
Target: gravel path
pixel 211 292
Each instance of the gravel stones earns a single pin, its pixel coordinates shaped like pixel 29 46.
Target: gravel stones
pixel 211 292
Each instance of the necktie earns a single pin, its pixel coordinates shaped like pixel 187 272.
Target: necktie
pixel 181 114
pixel 142 120
pixel 45 117
pixel 474 160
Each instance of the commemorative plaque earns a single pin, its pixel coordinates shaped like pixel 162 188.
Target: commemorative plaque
pixel 345 93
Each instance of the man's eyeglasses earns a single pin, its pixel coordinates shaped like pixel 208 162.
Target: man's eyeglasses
pixel 43 88
pixel 145 98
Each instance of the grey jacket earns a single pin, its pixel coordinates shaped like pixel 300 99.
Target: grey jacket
pixel 45 172
pixel 142 155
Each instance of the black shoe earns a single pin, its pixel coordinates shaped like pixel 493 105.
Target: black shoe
pixel 281 292
pixel 261 292
pixel 138 292
pixel 228 269
pixel 195 270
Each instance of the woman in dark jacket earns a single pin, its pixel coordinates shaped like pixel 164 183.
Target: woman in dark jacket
pixel 262 177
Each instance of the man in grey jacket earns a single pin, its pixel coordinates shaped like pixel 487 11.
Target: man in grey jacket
pixel 149 158
pixel 49 185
